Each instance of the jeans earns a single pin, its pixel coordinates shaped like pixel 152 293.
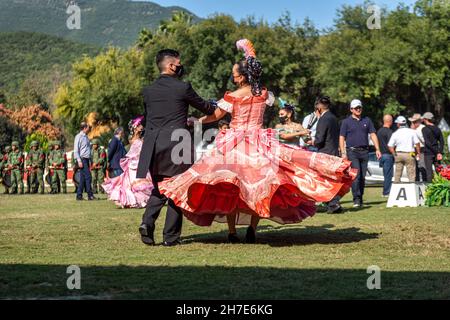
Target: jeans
pixel 360 161
pixel 387 163
pixel 85 179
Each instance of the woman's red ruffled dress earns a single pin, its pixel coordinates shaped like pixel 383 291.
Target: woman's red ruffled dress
pixel 251 173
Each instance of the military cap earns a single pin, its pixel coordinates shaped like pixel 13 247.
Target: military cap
pixel 15 143
pixel 34 144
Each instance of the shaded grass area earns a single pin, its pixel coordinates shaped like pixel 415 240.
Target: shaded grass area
pixel 324 257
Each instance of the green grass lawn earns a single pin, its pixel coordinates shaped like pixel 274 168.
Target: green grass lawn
pixel 325 257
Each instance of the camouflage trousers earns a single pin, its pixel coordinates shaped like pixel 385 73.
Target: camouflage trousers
pixel 36 179
pixel 60 175
pixel 98 177
pixel 16 181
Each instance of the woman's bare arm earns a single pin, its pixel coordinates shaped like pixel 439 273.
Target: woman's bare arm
pixel 216 116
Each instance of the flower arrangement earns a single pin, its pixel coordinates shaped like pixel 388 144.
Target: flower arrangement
pixel 438 192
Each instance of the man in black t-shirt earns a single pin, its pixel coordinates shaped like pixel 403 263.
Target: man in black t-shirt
pixel 387 159
pixel 434 144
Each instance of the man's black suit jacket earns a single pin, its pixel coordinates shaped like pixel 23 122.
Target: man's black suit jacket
pixel 166 104
pixel 327 134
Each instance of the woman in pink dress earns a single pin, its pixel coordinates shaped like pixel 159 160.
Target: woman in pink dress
pixel 250 175
pixel 125 190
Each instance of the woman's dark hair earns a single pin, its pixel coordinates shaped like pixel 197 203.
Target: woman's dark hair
pixel 223 123
pixel 251 69
pixel 289 108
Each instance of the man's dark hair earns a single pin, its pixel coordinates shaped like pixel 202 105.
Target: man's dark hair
pixel 163 54
pixel 83 125
pixel 324 100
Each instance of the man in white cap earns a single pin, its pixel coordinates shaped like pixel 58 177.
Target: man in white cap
pixel 354 146
pixel 404 145
pixel 434 144
pixel 416 124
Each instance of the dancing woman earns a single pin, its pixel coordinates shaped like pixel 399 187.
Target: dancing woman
pixel 125 190
pixel 251 175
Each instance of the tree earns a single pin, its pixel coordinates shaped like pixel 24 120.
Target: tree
pixel 109 85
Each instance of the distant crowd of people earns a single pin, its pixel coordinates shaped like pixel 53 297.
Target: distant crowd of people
pixel 419 147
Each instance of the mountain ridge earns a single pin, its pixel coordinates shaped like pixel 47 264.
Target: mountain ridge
pixel 103 22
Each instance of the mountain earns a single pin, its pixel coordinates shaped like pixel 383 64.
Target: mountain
pixel 103 22
pixel 25 53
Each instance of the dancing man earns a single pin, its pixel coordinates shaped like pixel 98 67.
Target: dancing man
pixel 166 103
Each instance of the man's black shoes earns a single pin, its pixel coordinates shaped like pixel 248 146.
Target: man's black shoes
pixel 335 210
pixel 250 236
pixel 146 235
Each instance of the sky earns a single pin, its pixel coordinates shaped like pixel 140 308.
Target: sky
pixel 321 12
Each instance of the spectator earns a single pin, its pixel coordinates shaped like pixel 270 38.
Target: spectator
pixel 354 145
pixel 116 151
pixel 387 159
pixel 289 131
pixel 224 125
pixel 310 123
pixel 416 124
pixel 402 145
pixel 82 152
pixel 434 144
pixel 327 140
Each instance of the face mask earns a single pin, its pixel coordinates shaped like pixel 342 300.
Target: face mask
pixel 179 71
pixel 283 120
pixel 232 78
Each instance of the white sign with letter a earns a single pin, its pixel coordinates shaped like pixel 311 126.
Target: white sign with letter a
pixel 407 195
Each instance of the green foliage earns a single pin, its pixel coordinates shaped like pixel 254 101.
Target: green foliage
pixel 35 57
pixel 109 84
pixel 438 192
pixel 103 22
pixel 42 139
pixel 406 63
pixel 393 108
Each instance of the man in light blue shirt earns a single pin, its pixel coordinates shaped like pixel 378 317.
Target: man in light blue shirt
pixel 82 154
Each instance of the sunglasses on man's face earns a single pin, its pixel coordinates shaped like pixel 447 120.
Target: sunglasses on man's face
pixel 357 108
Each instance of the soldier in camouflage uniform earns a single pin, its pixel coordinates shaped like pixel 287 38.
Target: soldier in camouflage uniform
pixel 3 170
pixel 15 164
pixel 97 168
pixel 35 164
pixel 57 162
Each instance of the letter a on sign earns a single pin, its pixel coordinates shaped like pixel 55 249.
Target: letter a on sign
pixel 374 281
pixel 405 195
pixel 74 281
pixel 402 195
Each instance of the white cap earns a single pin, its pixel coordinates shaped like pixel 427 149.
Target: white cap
pixel 355 103
pixel 400 120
